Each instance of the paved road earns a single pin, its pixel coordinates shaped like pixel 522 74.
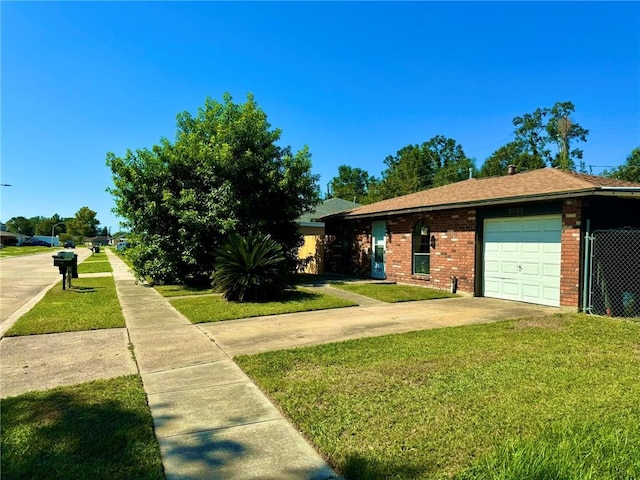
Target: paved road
pixel 23 278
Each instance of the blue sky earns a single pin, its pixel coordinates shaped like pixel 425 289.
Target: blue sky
pixel 353 81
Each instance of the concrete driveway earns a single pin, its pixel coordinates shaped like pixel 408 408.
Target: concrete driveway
pixel 261 334
pixel 24 279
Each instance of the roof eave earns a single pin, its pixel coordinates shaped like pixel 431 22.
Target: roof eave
pixel 625 192
pixel 478 203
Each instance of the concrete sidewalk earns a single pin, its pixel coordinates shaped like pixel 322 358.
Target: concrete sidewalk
pixel 211 421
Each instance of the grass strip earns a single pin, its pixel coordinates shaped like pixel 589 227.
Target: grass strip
pixel 98 430
pixel 538 398
pixel 91 304
pixel 393 293
pixel 20 251
pixel 182 290
pixel 215 309
pixel 94 267
pixel 98 257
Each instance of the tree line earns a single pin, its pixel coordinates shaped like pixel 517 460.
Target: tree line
pixel 83 224
pixel 547 137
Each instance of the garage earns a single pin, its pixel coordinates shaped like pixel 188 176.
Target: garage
pixel 522 258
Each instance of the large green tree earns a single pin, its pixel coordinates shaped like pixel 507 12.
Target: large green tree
pixel 21 225
pixel 224 173
pixel 512 153
pixel 83 224
pixel 540 130
pixel 354 184
pixel 45 225
pixel 629 170
pixel 436 162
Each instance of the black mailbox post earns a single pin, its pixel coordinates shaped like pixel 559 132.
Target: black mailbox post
pixel 67 263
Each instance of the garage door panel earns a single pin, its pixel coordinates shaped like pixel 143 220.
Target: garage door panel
pixel 531 248
pixel 492 288
pixel 552 295
pixel 510 287
pixel 522 258
pixel 531 292
pixel 492 266
pixel 530 269
pixel 509 247
pixel 513 226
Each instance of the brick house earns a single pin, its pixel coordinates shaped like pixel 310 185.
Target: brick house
pixel 518 237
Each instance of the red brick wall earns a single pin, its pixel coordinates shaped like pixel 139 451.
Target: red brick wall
pixel 453 255
pixel 570 261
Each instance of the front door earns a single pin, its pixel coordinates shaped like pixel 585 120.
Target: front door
pixel 378 231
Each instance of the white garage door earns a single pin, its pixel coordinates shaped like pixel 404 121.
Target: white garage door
pixel 522 258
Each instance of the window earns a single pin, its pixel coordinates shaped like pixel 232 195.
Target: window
pixel 421 253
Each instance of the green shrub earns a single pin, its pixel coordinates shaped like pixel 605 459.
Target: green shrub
pixel 250 268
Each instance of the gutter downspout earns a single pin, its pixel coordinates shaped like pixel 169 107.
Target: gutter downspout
pixel 586 276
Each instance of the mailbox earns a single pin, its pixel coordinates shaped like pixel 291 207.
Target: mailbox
pixel 67 263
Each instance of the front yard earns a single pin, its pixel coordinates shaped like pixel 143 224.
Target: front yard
pixel 98 430
pixel 202 305
pixel 91 304
pixel 213 308
pixel 546 398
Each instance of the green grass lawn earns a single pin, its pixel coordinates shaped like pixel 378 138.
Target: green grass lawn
pixel 91 304
pixel 94 266
pixel 215 308
pixel 393 293
pixel 18 251
pixel 181 290
pixel 97 430
pixel 98 257
pixel 550 398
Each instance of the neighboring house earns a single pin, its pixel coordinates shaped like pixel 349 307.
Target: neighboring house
pixel 48 239
pixel 311 253
pixel 8 239
pixel 517 237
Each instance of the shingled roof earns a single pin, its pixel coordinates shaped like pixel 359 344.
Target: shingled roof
pixel 327 207
pixel 545 183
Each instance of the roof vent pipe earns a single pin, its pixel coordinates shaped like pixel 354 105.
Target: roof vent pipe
pixel 511 169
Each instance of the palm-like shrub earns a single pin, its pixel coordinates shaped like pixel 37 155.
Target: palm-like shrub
pixel 250 268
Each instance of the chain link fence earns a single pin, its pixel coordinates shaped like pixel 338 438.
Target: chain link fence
pixel 614 279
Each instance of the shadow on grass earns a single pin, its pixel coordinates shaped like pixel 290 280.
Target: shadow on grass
pixel 311 279
pixel 359 467
pixel 59 435
pixel 84 289
pixel 288 296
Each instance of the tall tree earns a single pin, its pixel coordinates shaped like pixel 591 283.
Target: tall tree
pixel 630 170
pixel 451 163
pixel 45 225
pixel 562 131
pixel 224 173
pixel 84 224
pixel 354 184
pixel 512 153
pixel 436 162
pixel 536 132
pixel 21 225
pixel 410 170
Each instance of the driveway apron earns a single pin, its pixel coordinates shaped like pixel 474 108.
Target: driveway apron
pixel 211 421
